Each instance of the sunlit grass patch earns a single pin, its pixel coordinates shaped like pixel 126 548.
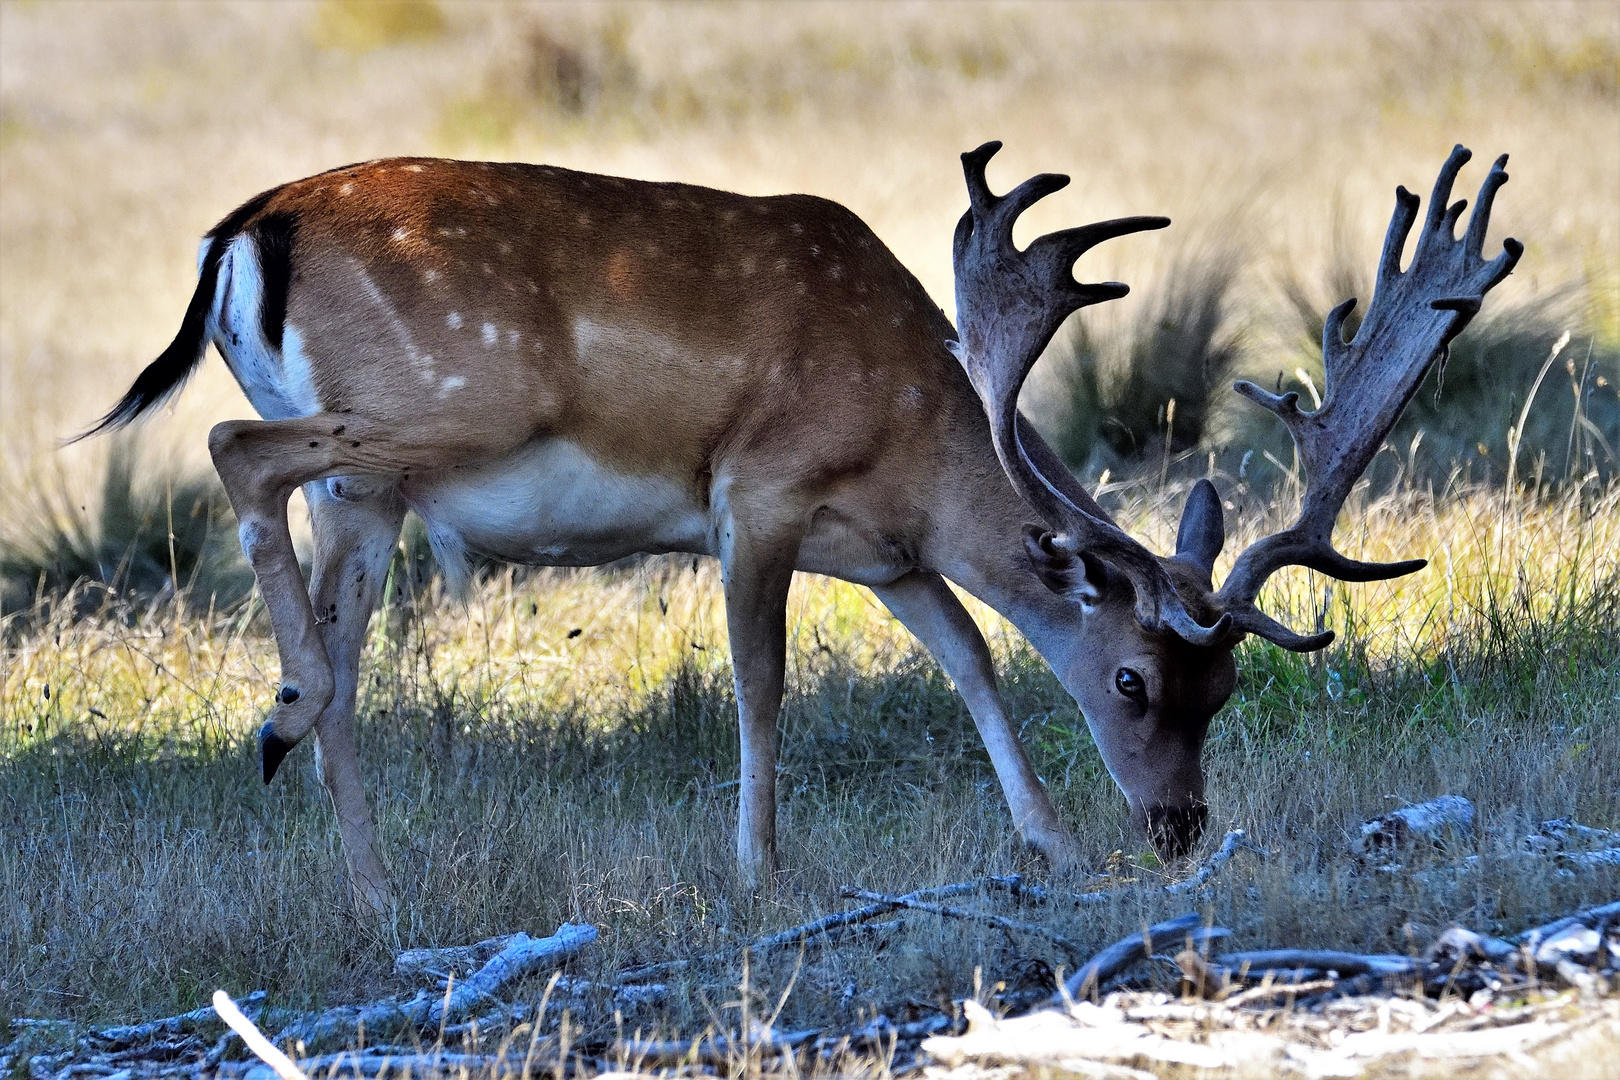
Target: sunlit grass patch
pixel 524 774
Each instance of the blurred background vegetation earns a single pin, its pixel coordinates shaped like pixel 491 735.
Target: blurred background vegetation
pixel 1273 133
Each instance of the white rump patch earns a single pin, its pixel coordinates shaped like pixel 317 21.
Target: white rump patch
pixel 277 384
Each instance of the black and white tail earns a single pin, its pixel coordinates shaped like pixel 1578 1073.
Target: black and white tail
pixel 164 377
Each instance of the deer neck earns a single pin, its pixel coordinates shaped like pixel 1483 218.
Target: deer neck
pixel 979 545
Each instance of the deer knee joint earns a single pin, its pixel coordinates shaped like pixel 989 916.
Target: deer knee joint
pixel 256 537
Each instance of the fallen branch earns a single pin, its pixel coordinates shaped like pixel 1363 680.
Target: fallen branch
pixel 1592 917
pixel 1262 963
pixel 1559 833
pixel 522 956
pixel 1089 1039
pixel 184 1024
pixel 1127 951
pixel 1073 948
pixel 1237 838
pixel 1430 820
pixel 814 933
pixel 262 1047
pixel 450 960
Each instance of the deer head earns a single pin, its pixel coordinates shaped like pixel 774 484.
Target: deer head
pixel 1152 660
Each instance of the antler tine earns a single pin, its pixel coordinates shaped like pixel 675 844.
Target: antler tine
pixel 1474 240
pixel 1009 305
pixel 1251 620
pixel 1413 316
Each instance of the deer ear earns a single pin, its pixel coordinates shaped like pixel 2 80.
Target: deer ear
pixel 1203 527
pixel 1080 577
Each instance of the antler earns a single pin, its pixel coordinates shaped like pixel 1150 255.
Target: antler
pixel 1009 304
pixel 1369 380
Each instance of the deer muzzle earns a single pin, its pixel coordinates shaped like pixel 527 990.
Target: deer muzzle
pixel 1175 830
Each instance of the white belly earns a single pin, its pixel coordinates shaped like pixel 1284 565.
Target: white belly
pixel 551 504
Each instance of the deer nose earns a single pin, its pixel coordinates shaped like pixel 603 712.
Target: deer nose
pixel 1174 830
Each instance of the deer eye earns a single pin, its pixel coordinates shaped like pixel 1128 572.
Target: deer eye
pixel 1130 682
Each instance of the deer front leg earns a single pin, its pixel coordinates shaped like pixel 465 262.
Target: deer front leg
pixel 757 569
pixel 927 607
pixel 356 522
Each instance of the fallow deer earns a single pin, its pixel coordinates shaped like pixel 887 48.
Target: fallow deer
pixel 557 368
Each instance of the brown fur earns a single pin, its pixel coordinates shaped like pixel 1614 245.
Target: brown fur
pixel 768 356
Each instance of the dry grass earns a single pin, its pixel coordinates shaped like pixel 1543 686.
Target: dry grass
pixel 524 775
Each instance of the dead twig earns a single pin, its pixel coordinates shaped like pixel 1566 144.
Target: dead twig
pixel 1231 843
pixel 817 932
pixel 184 1024
pixel 1073 948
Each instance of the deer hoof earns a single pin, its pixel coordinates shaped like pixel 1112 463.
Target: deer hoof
pixel 272 748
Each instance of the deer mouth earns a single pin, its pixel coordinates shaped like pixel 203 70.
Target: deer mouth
pixel 1175 830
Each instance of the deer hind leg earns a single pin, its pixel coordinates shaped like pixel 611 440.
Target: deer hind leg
pixel 356 522
pixel 927 607
pixel 260 463
pixel 757 568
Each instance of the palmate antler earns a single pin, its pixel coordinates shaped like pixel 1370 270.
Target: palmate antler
pixel 1009 304
pixel 1369 380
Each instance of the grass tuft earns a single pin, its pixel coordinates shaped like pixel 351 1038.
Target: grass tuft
pixel 149 533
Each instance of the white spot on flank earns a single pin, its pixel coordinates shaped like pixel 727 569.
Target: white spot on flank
pixel 912 396
pixel 453 320
pixel 346 189
pixel 504 248
pixel 796 229
pixel 430 276
pixel 401 234
pixel 451 382
pixel 489 334
pixel 513 337
pixel 413 168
